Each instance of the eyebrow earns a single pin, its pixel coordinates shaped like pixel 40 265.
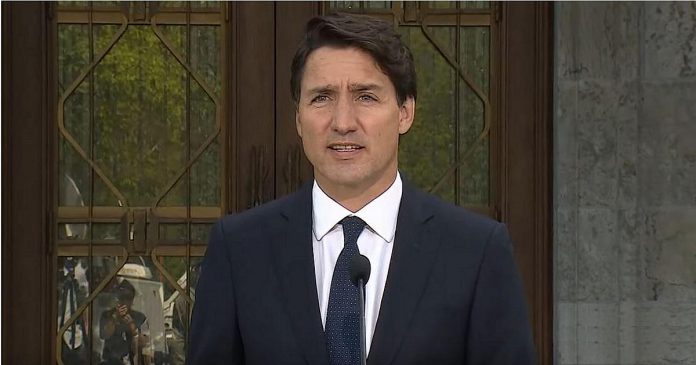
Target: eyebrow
pixel 364 87
pixel 321 89
pixel 329 88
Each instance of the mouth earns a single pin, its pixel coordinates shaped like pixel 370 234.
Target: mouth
pixel 345 147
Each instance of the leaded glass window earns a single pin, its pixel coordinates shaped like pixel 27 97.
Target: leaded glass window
pixel 140 173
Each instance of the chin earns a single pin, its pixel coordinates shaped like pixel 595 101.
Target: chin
pixel 348 181
pixel 341 177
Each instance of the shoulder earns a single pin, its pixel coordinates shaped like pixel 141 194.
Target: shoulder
pixel 454 220
pixel 107 313
pixel 260 220
pixel 138 317
pixel 464 236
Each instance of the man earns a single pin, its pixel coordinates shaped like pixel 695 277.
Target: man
pixel 125 331
pixel 274 287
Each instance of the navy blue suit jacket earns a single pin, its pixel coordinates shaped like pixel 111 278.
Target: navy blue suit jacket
pixel 452 296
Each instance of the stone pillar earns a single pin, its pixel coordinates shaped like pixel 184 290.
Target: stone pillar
pixel 625 183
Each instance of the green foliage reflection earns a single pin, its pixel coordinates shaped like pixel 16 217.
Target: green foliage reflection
pixel 133 121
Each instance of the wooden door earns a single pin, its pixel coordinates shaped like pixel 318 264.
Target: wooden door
pixel 151 180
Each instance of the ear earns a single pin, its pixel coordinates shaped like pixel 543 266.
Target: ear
pixel 407 112
pixel 298 125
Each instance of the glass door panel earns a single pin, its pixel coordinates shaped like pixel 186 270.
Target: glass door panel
pixel 141 166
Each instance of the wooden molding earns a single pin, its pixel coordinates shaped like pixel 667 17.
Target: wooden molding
pixel 27 286
pixel 525 128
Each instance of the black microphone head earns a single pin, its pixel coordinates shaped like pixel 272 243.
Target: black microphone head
pixel 359 269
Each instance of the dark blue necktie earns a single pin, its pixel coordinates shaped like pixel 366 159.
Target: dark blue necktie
pixel 342 317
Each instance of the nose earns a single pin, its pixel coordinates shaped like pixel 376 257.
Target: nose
pixel 344 118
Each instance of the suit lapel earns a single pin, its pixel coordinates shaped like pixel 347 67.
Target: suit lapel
pixel 294 260
pixel 413 255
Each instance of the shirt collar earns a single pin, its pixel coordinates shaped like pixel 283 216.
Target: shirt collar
pixel 380 214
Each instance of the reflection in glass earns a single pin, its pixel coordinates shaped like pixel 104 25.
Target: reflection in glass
pixel 140 116
pixel 176 197
pixel 474 55
pixel 73 231
pixel 176 36
pixel 74 187
pixel 176 308
pixel 205 178
pixel 106 232
pixel 442 4
pixel 182 314
pixel 476 4
pixel 377 4
pixel 73 52
pixel 173 233
pixel 76 115
pixel 103 196
pixel 205 54
pixel 195 273
pixel 172 4
pixel 75 280
pixel 203 120
pixel 445 124
pixel 73 3
pixel 205 4
pixel 473 172
pixel 106 4
pixel 101 267
pixel 204 59
pixel 128 317
pixel 103 36
pixel 198 5
pixel 200 232
pixel 138 300
pixel 427 150
pixel 73 290
pixel 459 4
pixel 344 4
pixel 474 177
pixel 474 58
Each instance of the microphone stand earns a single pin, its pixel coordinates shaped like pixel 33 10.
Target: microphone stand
pixel 359 275
pixel 363 340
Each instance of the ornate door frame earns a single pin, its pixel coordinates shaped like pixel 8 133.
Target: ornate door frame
pixel 524 184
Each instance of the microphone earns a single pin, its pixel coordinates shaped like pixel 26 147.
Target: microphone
pixel 359 274
pixel 359 269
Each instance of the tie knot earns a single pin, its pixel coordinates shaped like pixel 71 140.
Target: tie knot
pixel 353 223
pixel 352 227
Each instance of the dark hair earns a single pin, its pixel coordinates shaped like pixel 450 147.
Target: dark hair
pixel 125 291
pixel 374 36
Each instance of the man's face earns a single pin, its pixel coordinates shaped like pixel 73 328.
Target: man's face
pixel 349 120
pixel 126 298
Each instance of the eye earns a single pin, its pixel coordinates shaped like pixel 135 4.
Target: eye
pixel 367 98
pixel 320 99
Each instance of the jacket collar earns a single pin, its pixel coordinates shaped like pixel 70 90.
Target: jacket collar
pixel 415 250
pixel 294 264
pixel 413 255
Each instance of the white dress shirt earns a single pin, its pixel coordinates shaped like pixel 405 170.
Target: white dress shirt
pixel 376 242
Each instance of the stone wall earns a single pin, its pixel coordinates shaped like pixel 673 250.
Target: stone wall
pixel 625 183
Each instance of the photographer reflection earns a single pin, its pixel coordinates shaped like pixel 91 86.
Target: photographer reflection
pixel 125 331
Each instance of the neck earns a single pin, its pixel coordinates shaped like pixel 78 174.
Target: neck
pixel 355 198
